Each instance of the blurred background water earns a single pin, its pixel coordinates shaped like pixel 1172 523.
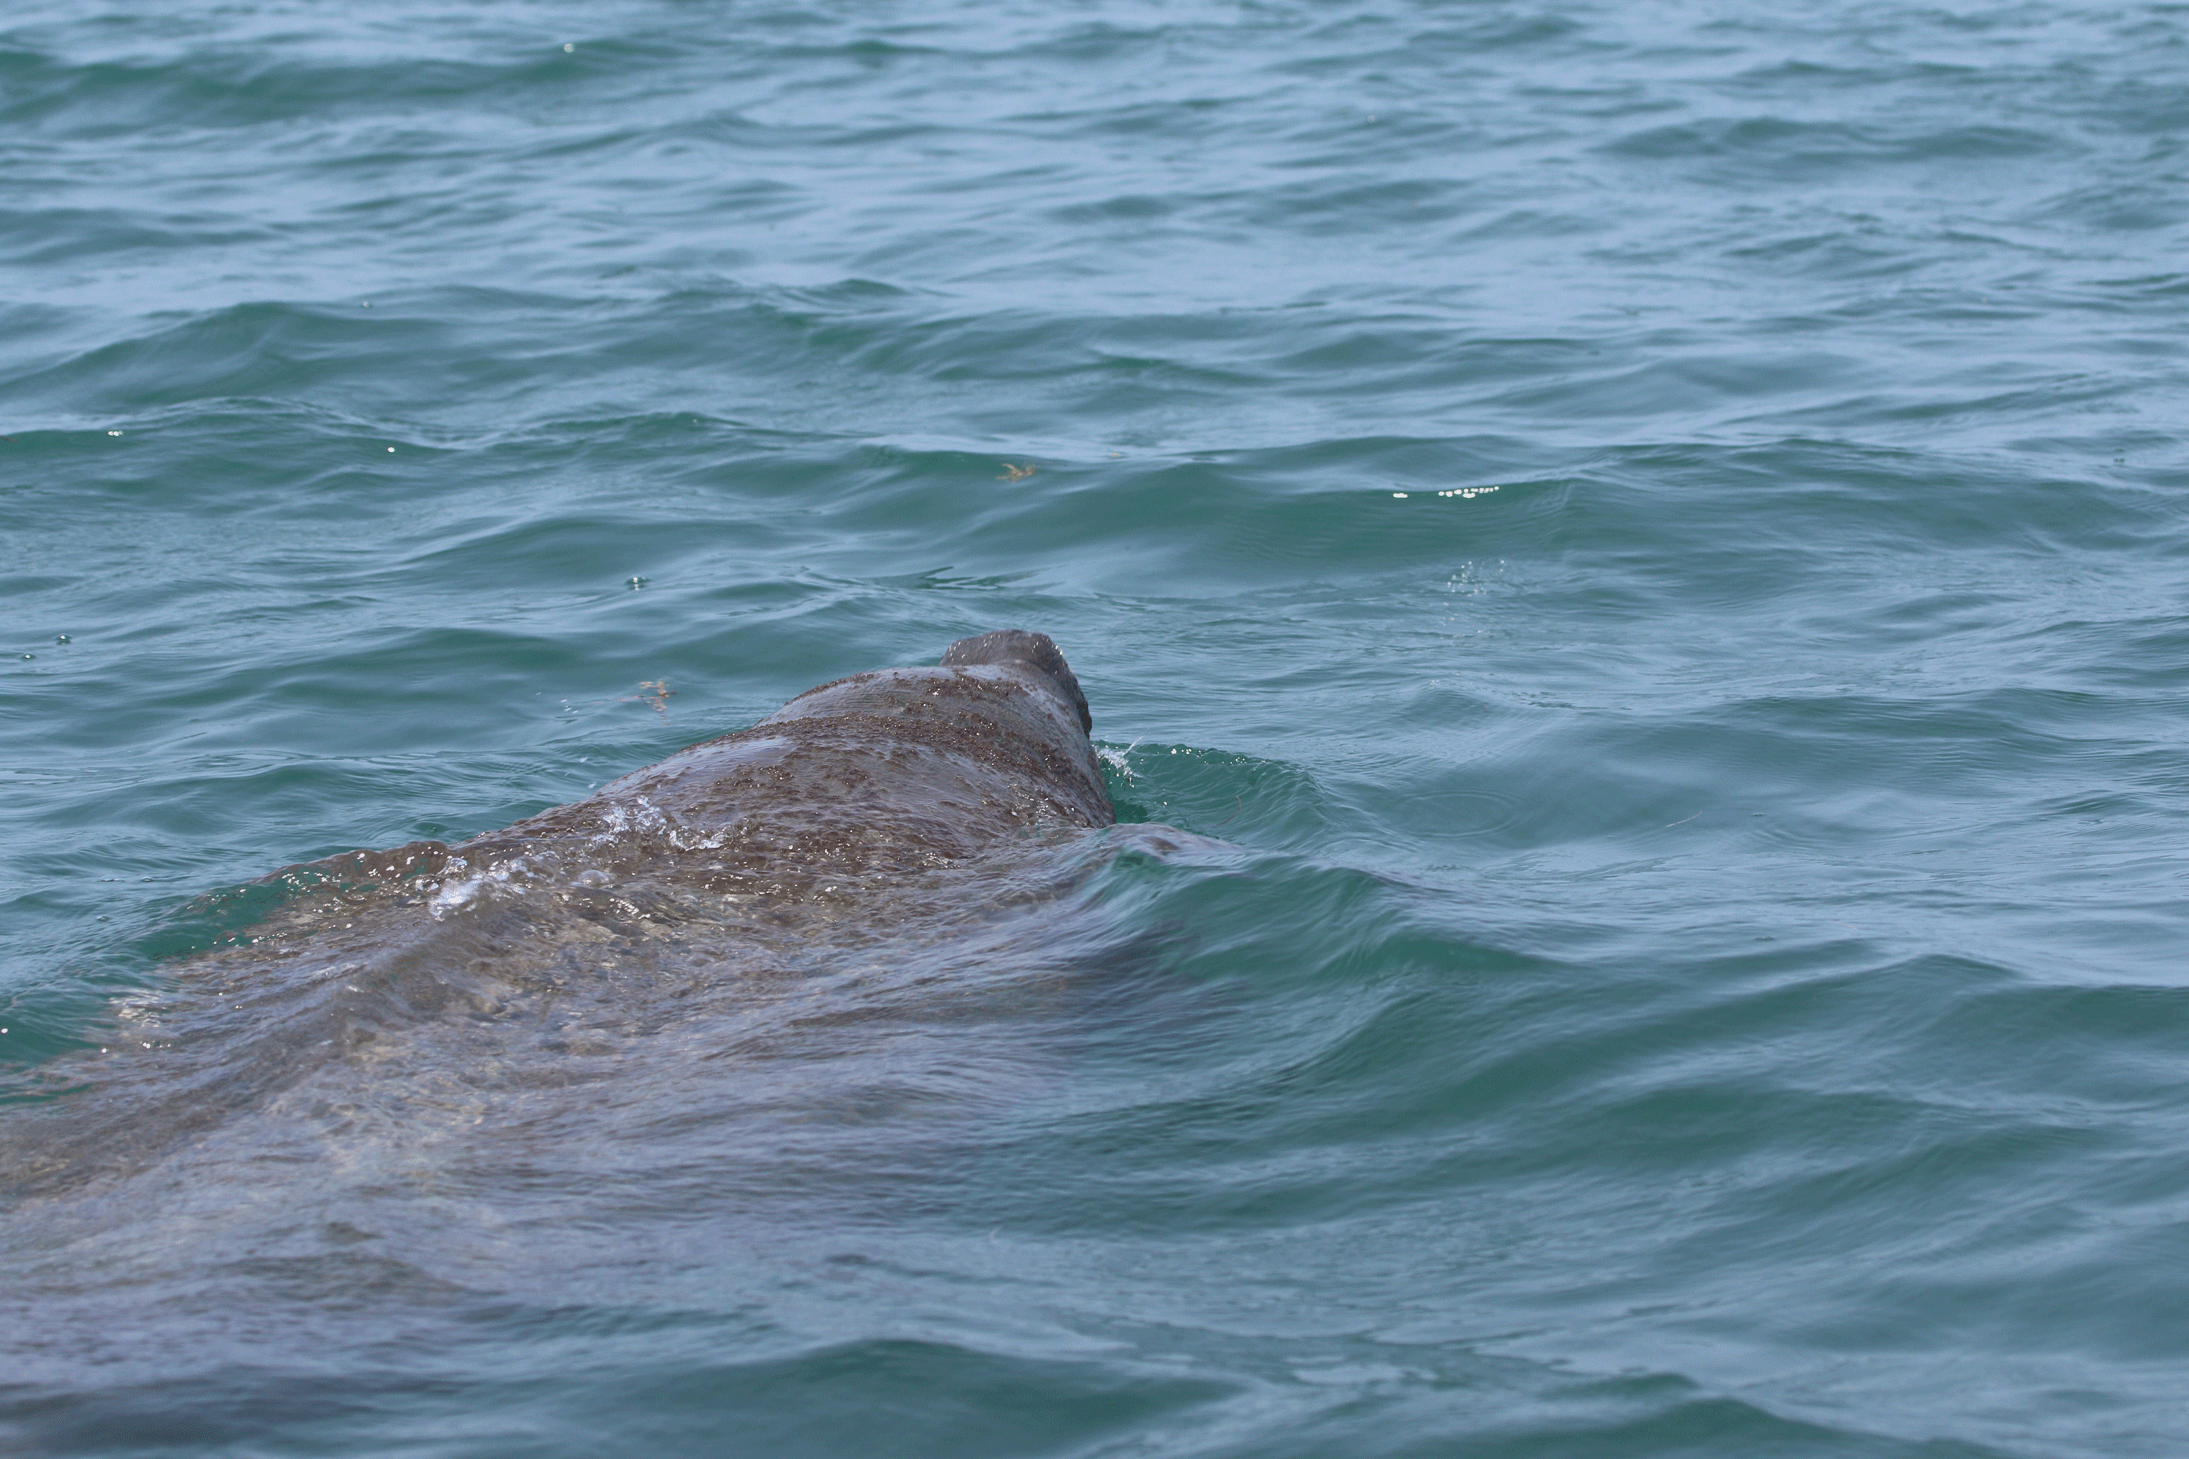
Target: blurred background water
pixel 1659 528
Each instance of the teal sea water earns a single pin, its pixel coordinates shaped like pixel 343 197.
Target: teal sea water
pixel 1655 532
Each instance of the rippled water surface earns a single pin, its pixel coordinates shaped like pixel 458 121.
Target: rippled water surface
pixel 1652 535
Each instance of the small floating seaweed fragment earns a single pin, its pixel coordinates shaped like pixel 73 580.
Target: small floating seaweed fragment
pixel 655 696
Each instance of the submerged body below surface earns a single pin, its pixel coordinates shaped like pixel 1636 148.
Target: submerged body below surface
pixel 897 840
pixel 648 1060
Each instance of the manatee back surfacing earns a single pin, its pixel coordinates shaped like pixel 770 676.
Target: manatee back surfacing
pixel 885 773
pixel 878 843
pixel 859 784
pixel 1019 648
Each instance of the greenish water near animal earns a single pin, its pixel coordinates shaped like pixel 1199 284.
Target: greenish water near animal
pixel 1658 530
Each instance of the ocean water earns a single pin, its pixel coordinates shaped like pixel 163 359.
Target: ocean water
pixel 1652 536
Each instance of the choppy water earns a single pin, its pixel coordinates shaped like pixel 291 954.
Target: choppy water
pixel 1658 530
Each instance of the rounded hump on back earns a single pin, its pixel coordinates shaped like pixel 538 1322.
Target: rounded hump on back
pixel 1036 651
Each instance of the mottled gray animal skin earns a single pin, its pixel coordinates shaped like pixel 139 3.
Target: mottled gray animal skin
pixel 874 841
pixel 867 779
